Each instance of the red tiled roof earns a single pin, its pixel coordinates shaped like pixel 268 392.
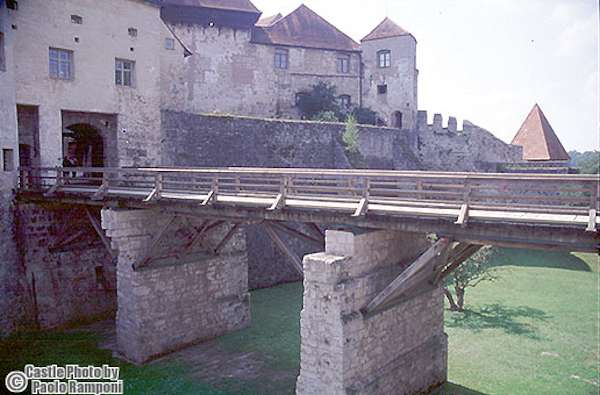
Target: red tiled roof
pixel 538 139
pixel 304 28
pixel 387 28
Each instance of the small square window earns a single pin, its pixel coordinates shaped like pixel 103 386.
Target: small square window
pixel 384 59
pixel 60 63
pixel 12 4
pixel 77 19
pixel 343 64
pixel 132 32
pixel 281 58
pixel 124 72
pixel 382 89
pixel 169 43
pixel 345 101
pixel 8 160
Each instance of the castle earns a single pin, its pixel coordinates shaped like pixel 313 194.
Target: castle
pixel 191 83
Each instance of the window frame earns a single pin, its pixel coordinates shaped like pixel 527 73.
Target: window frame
pixel 382 89
pixel 169 43
pixel 281 54
pixel 2 52
pixel 8 159
pixel 121 70
pixel 343 60
pixel 69 61
pixel 386 56
pixel 347 99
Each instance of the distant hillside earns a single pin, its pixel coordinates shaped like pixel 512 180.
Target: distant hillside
pixel 588 162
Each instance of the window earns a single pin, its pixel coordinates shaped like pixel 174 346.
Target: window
pixel 384 59
pixel 124 72
pixel 343 64
pixel 298 97
pixel 382 89
pixel 12 4
pixel 345 101
pixel 169 43
pixel 8 160
pixel 281 59
pixel 61 64
pixel 132 32
pixel 2 55
pixel 76 19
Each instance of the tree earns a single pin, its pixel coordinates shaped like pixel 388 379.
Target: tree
pixel 350 136
pixel 365 116
pixel 588 162
pixel 322 97
pixel 473 271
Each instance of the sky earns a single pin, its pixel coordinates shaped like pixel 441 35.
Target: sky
pixel 490 61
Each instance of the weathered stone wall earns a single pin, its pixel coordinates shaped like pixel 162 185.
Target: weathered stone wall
pixel 228 73
pixel 216 140
pixel 470 149
pixel 169 305
pixel 73 283
pixel 402 350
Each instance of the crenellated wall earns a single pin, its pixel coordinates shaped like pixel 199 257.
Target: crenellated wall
pixel 471 149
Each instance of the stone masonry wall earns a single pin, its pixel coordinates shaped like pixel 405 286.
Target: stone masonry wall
pixel 165 307
pixel 72 284
pixel 470 149
pixel 402 350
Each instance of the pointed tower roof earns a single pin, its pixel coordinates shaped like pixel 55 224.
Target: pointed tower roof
pixel 538 139
pixel 387 28
pixel 304 28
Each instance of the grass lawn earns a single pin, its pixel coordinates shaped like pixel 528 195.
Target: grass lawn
pixel 534 331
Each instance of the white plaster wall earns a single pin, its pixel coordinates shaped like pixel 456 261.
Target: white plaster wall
pixel 103 36
pixel 8 110
pixel 401 78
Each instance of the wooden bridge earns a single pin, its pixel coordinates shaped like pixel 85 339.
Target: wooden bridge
pixel 520 210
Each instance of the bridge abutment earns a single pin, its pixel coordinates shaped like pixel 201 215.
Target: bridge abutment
pixel 401 350
pixel 182 298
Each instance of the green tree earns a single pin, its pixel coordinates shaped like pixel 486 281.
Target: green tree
pixel 326 116
pixel 472 272
pixel 365 116
pixel 588 162
pixel 322 97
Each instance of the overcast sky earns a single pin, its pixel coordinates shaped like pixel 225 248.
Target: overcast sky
pixel 490 61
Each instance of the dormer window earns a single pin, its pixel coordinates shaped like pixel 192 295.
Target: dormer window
pixel 384 59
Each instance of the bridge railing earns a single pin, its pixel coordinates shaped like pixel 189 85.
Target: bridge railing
pixel 551 193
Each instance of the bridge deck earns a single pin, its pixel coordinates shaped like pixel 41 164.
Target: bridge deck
pixel 563 207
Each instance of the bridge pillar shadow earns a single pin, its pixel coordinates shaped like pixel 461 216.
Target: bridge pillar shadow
pixel 170 292
pixel 401 350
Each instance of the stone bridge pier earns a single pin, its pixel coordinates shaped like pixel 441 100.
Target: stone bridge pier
pixel 399 350
pixel 189 284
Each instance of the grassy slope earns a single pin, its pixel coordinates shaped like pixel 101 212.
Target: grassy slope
pixel 543 303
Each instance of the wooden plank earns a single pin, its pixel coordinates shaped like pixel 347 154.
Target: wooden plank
pixel 278 203
pixel 591 227
pixel 151 196
pixel 210 198
pixel 463 215
pixel 398 285
pixel 464 252
pixel 362 208
pixel 296 233
pixel 144 259
pixel 293 258
pixel 98 228
pixel 226 238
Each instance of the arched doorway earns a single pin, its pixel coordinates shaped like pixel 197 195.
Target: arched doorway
pixel 83 145
pixel 397 119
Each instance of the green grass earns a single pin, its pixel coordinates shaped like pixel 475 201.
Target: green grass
pixel 534 331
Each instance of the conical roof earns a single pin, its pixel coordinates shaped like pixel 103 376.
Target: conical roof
pixel 387 28
pixel 538 139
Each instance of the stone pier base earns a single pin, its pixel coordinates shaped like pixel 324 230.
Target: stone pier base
pixel 402 350
pixel 179 301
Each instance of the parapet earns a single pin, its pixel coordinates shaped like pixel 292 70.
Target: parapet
pixel 437 125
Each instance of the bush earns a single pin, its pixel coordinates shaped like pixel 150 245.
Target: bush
pixel 322 97
pixel 350 136
pixel 326 116
pixel 365 116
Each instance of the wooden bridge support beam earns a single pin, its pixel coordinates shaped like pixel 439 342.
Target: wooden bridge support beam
pixel 401 350
pixel 185 297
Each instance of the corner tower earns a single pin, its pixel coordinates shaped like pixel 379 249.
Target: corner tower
pixel 390 74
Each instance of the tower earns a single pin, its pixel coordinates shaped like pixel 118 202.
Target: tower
pixel 390 74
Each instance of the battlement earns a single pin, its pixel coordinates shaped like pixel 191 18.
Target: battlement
pixel 437 125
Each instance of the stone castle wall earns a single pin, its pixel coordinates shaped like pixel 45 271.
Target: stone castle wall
pixel 73 283
pixel 470 149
